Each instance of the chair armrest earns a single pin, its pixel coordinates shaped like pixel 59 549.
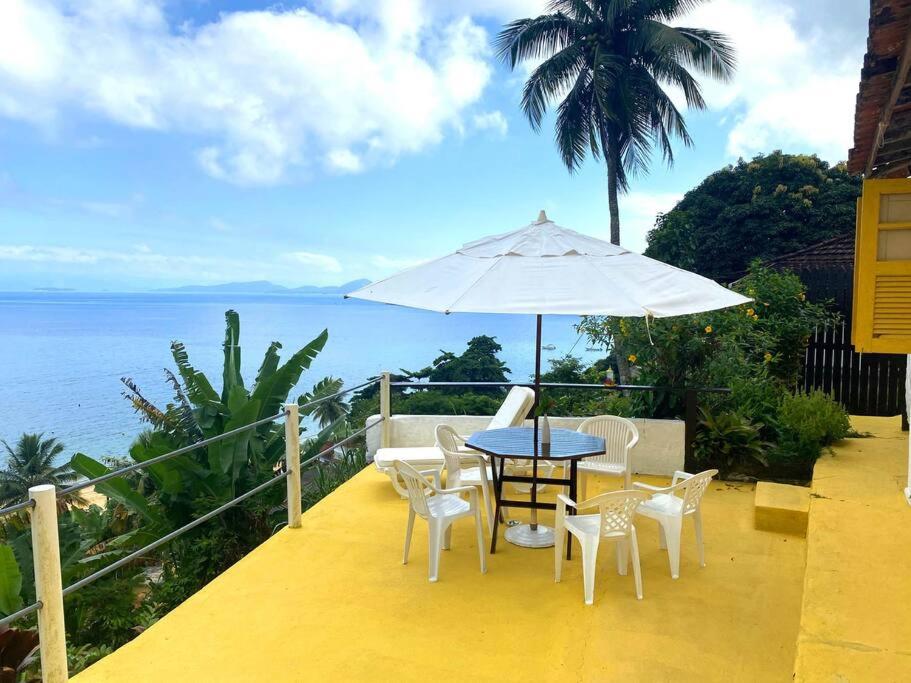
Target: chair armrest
pixel 679 475
pixel 566 500
pixel 437 481
pixel 649 487
pixel 478 460
pixel 458 489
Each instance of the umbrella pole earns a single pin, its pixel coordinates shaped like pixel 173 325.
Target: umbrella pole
pixel 534 462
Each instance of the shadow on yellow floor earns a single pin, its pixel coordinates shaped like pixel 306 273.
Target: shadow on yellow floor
pixel 332 601
pixel 856 623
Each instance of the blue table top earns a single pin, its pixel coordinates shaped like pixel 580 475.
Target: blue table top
pixel 513 442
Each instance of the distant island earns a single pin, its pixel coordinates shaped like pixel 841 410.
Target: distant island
pixel 266 287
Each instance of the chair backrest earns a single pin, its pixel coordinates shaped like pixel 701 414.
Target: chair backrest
pixel 416 485
pixel 514 409
pixel 617 510
pixel 448 442
pixel 619 434
pixel 694 488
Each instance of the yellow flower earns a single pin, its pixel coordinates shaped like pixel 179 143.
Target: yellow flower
pixel 802 296
pixel 750 311
pixel 768 356
pixel 755 317
pixel 632 358
pixel 708 329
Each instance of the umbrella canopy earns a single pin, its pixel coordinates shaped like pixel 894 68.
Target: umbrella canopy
pixel 547 269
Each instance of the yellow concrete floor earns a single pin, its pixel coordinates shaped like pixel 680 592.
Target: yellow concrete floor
pixel 332 601
pixel 856 623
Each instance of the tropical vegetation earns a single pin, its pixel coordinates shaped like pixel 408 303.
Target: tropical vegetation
pixel 148 503
pixel 768 206
pixel 609 64
pixel 31 461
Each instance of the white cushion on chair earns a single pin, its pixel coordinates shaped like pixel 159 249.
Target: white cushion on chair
pixel 416 456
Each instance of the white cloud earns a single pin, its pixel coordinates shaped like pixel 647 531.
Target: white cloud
pixel 492 121
pixel 324 262
pixel 272 92
pixel 638 211
pixel 793 90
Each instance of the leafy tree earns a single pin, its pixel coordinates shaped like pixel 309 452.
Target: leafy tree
pixel 31 463
pixel 329 410
pixel 608 63
pixel 766 207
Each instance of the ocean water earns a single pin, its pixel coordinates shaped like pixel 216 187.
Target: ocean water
pixel 62 354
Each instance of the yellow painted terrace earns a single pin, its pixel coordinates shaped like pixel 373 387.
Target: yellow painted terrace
pixel 331 600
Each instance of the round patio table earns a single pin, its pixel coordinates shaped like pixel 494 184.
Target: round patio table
pixel 518 442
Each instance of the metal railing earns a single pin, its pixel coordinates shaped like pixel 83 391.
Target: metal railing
pixel 45 541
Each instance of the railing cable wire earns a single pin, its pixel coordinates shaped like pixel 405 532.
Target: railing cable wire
pixel 24 612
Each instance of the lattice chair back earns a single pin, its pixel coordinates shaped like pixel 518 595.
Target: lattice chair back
pixel 417 487
pixel 617 510
pixel 694 488
pixel 448 442
pixel 619 434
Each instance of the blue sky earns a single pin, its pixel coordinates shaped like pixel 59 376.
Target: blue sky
pixel 149 144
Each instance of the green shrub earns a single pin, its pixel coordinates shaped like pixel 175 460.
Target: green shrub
pixel 729 441
pixel 807 423
pixel 103 612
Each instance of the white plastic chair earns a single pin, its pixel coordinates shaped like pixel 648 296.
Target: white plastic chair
pixel 669 505
pixel 465 468
pixel 620 437
pixel 613 521
pixel 440 507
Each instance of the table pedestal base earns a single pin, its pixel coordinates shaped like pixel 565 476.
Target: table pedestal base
pixel 523 535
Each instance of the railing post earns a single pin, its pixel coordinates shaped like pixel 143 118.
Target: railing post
pixel 48 584
pixel 293 464
pixel 691 418
pixel 385 410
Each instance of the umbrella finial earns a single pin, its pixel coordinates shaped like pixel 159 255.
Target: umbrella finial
pixel 542 217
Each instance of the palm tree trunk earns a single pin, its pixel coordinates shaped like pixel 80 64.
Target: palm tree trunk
pixel 613 160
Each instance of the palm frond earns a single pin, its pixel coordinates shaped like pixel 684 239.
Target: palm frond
pixel 534 39
pixel 549 81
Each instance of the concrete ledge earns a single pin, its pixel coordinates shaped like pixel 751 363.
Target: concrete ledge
pixel 781 508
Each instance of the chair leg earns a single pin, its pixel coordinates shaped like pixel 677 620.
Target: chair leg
pixel 589 560
pixel 697 522
pixel 447 537
pixel 627 479
pixel 485 491
pixel 479 530
pixel 436 539
pixel 408 532
pixel 559 533
pixel 583 485
pixel 622 556
pixel 396 482
pixel 637 570
pixel 662 539
pixel 672 536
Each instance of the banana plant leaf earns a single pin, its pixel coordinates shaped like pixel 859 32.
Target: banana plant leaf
pixel 231 377
pixel 10 582
pixel 117 489
pixel 273 391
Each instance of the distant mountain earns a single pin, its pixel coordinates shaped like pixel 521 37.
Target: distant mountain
pixel 340 289
pixel 266 287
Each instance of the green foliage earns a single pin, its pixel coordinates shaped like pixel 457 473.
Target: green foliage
pixel 30 463
pixel 478 363
pixel 104 611
pixel 328 410
pixel 729 441
pixel 10 582
pixel 328 476
pixel 581 402
pixel 80 657
pixel 807 423
pixel 607 64
pixel 763 208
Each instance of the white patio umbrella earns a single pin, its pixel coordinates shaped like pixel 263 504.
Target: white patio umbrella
pixel 544 269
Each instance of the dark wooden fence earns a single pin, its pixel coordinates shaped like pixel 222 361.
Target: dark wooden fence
pixel 868 384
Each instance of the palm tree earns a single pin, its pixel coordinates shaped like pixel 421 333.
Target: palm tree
pixel 329 409
pixel 30 463
pixel 610 61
